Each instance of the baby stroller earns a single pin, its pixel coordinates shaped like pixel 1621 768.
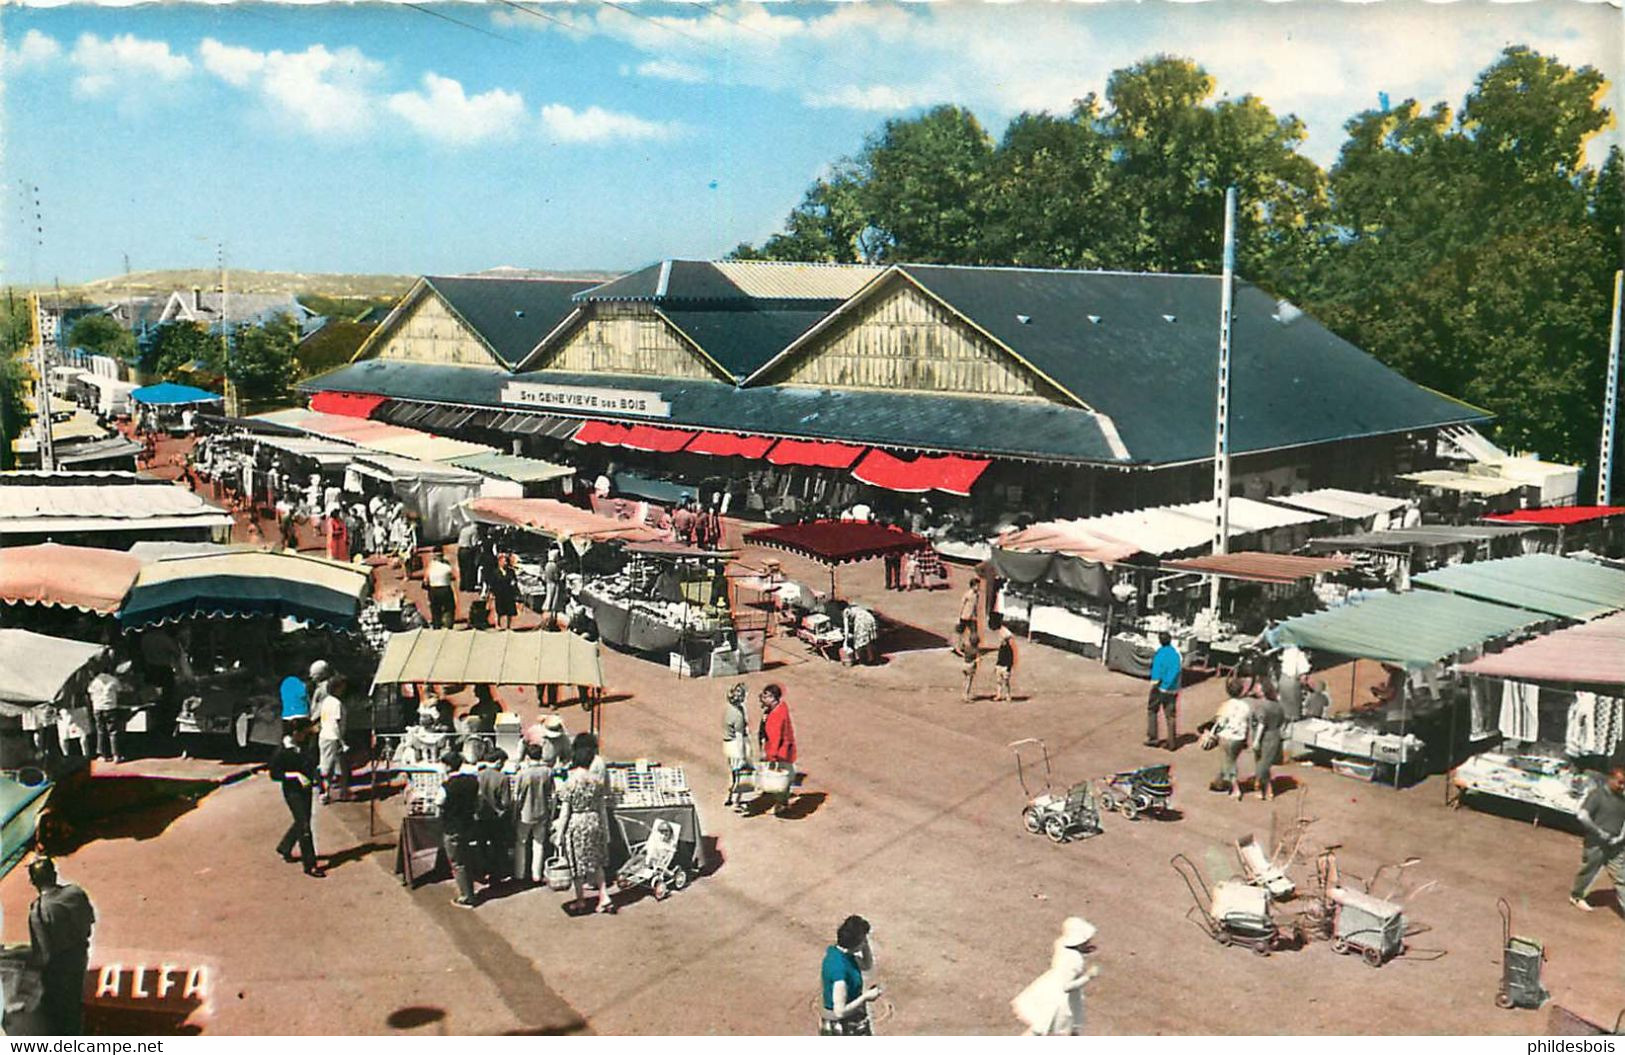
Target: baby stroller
pixel 1061 817
pixel 653 863
pixel 1233 912
pixel 1137 791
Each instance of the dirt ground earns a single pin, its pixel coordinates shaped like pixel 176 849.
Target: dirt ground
pixel 910 816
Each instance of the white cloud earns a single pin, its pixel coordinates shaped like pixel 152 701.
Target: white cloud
pixel 317 90
pixel 236 66
pixel 597 125
pixel 123 65
pixel 878 97
pixel 444 112
pixel 34 50
pixel 671 70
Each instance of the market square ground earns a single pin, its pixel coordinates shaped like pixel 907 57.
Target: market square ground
pixel 911 818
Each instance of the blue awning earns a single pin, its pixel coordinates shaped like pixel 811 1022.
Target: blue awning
pixel 168 393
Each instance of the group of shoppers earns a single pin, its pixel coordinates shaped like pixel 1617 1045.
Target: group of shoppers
pixel 775 748
pixel 968 644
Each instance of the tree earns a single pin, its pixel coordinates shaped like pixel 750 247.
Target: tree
pixel 262 362
pixel 1474 251
pixel 181 346
pixel 925 187
pixel 1049 192
pixel 102 335
pixel 828 226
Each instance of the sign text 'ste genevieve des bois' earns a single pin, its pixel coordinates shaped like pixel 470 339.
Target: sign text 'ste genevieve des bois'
pixel 593 400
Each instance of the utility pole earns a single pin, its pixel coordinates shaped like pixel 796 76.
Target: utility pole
pixel 1610 403
pixel 232 409
pixel 42 388
pixel 1221 430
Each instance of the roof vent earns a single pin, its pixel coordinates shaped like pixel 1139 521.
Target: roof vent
pixel 1286 312
pixel 519 313
pixel 1095 319
pixel 1170 318
pixel 1025 320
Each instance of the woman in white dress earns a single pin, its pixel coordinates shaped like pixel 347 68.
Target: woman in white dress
pixel 1052 1005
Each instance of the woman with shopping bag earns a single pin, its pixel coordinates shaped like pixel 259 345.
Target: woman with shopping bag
pixel 778 741
pixel 1052 1005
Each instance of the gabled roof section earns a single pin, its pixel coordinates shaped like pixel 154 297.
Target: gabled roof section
pixel 736 281
pixel 511 315
pixel 741 340
pixel 1142 350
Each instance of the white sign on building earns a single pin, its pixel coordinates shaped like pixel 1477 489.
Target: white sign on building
pixel 586 400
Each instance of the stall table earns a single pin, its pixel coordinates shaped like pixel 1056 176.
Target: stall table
pixel 638 799
pixel 1534 780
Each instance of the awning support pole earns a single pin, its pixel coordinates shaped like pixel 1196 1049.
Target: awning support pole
pixel 1610 403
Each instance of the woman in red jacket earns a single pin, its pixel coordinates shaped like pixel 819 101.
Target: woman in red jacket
pixel 778 739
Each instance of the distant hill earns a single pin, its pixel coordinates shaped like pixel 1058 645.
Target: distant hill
pixel 367 287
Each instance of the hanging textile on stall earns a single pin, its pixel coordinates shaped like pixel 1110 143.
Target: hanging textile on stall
pixel 1520 711
pixel 1594 726
pixel 1483 712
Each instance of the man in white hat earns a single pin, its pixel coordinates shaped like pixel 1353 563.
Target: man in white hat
pixel 1052 1005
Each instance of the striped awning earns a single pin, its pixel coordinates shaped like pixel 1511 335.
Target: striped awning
pixel 242 584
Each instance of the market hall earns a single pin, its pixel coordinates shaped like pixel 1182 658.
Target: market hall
pixel 793 390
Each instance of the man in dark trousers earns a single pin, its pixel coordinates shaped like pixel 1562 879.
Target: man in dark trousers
pixel 1167 669
pixel 1602 815
pixel 294 768
pixel 459 803
pixel 496 805
pixel 59 925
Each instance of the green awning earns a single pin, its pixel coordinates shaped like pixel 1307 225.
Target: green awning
pixel 512 467
pixel 1409 629
pixel 1540 582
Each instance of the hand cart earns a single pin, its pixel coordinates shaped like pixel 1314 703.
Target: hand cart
pixel 1368 925
pixel 1521 960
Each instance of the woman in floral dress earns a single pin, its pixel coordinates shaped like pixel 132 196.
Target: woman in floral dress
pixel 584 822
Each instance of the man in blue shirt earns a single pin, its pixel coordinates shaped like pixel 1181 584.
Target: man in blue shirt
pixel 295 703
pixel 1165 674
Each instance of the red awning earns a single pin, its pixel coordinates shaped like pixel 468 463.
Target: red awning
pixel 603 433
pixel 839 541
pixel 727 445
pixel 1559 515
pixel 815 454
pixel 948 472
pixel 656 439
pixel 349 404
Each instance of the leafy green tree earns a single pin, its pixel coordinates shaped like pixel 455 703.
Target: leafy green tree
pixel 926 187
pixel 1050 192
pixel 102 335
pixel 1475 251
pixel 262 364
pixel 177 346
pixel 830 224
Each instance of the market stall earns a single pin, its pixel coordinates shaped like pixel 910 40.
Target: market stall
pixel 293 608
pixel 1104 594
pixel 1254 588
pixel 1393 556
pixel 1407 724
pixel 513 476
pixel 1598 529
pixel 431 490
pixel 38 674
pixel 1357 510
pixel 493 658
pixel 107 396
pixel 672 601
pixel 167 402
pixel 1557 704
pixel 109 508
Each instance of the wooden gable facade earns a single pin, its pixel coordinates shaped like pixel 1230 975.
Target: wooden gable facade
pixel 632 339
pixel 426 330
pixel 898 337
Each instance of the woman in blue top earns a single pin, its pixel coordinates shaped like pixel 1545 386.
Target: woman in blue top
pixel 846 1001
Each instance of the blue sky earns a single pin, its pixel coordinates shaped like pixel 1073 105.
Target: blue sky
pixel 380 138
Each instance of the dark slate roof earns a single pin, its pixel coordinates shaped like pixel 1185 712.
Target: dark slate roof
pixel 1293 383
pixel 694 280
pixel 742 340
pixel 900 420
pixel 512 314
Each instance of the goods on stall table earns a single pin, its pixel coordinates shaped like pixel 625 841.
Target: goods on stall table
pixel 422 787
pixel 655 785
